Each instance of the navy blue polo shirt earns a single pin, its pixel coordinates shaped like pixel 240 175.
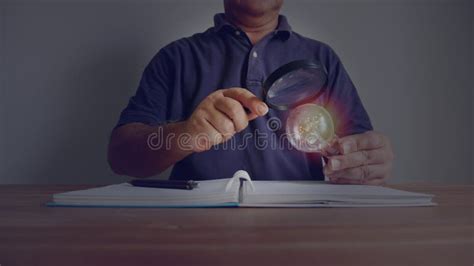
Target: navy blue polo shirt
pixel 184 72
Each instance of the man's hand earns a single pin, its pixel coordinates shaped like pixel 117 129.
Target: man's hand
pixel 363 159
pixel 220 115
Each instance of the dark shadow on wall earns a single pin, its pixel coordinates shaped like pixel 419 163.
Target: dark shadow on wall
pixel 100 91
pixel 95 101
pixel 71 69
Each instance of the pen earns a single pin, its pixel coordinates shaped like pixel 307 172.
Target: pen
pixel 171 184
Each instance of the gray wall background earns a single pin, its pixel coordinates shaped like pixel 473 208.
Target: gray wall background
pixel 69 67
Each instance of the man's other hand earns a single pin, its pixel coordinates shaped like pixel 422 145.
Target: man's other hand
pixel 363 159
pixel 222 114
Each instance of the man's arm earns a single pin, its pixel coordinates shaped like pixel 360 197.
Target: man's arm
pixel 132 149
pixel 130 152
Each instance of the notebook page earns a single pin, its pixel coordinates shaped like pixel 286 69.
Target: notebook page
pixel 334 204
pixel 308 192
pixel 207 192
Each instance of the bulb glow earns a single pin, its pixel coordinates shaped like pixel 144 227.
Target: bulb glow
pixel 310 128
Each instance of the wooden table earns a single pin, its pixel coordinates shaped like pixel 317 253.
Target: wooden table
pixel 32 234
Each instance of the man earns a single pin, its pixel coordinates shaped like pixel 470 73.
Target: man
pixel 208 87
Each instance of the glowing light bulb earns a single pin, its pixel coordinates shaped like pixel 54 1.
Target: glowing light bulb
pixel 310 128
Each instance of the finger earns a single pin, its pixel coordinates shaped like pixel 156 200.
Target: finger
pixel 366 141
pixel 359 158
pixel 362 174
pixel 221 122
pixel 207 137
pixel 234 110
pixel 331 149
pixel 247 99
pixel 251 116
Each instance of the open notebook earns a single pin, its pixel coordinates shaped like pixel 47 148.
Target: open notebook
pixel 241 191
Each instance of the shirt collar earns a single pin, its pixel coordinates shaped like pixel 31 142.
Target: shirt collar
pixel 222 24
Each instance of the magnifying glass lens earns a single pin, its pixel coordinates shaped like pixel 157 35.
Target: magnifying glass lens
pixel 295 87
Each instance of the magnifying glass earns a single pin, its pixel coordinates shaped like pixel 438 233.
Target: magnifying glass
pixel 294 87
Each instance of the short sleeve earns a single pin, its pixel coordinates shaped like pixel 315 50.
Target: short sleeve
pixel 343 102
pixel 149 104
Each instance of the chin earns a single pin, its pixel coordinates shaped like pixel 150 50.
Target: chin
pixel 254 7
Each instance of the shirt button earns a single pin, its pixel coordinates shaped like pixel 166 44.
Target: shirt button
pixel 254 54
pixel 237 32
